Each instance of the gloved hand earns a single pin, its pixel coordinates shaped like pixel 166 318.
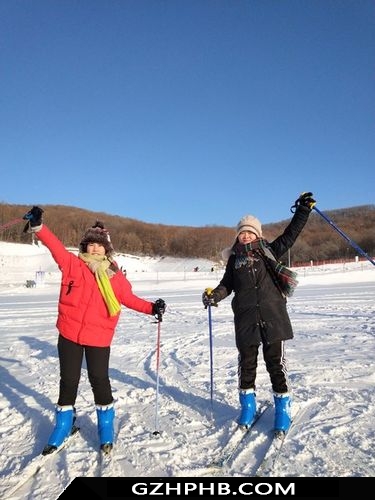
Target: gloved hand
pixel 209 298
pixel 158 309
pixel 305 200
pixel 34 218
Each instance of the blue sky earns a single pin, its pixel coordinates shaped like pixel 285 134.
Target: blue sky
pixel 187 112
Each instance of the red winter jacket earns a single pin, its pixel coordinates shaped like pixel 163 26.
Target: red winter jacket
pixel 82 313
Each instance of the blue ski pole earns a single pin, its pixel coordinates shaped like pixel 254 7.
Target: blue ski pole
pixel 341 233
pixel 211 354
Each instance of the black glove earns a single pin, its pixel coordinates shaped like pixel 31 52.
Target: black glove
pixel 34 218
pixel 305 200
pixel 209 298
pixel 158 309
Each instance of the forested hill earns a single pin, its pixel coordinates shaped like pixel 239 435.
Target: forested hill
pixel 319 240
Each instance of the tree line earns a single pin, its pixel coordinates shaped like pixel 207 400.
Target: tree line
pixel 318 241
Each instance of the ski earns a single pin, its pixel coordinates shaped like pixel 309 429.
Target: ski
pixel 36 464
pixel 105 464
pixel 237 440
pixel 266 466
pixel 108 466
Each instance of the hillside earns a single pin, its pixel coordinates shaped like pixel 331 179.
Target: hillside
pixel 318 242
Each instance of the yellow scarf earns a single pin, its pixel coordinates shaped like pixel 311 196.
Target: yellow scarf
pixel 99 265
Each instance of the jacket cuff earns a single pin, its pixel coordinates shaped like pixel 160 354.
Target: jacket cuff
pixel 35 229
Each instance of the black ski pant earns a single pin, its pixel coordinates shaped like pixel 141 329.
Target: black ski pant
pixel 97 362
pixel 274 357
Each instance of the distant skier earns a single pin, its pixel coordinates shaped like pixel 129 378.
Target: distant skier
pixel 260 285
pixel 93 288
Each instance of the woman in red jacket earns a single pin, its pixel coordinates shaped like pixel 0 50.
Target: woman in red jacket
pixel 93 288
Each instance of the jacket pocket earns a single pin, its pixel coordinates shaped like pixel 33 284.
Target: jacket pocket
pixel 70 293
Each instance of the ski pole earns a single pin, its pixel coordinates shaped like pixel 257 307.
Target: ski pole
pixel 211 354
pixel 341 233
pixel 156 431
pixel 11 223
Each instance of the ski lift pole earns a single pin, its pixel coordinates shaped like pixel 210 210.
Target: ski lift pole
pixel 341 233
pixel 211 355
pixel 156 431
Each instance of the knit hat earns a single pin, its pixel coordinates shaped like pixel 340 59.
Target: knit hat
pixel 249 223
pixel 97 234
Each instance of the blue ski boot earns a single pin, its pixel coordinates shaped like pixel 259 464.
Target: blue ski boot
pixel 106 415
pixel 64 427
pixel 283 416
pixel 248 407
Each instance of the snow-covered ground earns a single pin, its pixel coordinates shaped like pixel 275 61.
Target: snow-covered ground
pixel 331 368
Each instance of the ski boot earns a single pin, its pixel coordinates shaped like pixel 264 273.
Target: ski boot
pixel 283 415
pixel 64 427
pixel 248 407
pixel 106 415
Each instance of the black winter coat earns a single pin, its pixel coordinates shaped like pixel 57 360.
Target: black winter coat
pixel 260 313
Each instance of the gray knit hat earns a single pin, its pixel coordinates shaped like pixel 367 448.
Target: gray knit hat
pixel 97 234
pixel 249 223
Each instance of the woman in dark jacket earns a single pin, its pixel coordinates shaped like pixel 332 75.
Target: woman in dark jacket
pixel 261 285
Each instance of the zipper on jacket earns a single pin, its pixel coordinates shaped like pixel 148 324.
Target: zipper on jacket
pixel 70 286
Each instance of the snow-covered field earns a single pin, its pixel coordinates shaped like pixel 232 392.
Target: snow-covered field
pixel 331 368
